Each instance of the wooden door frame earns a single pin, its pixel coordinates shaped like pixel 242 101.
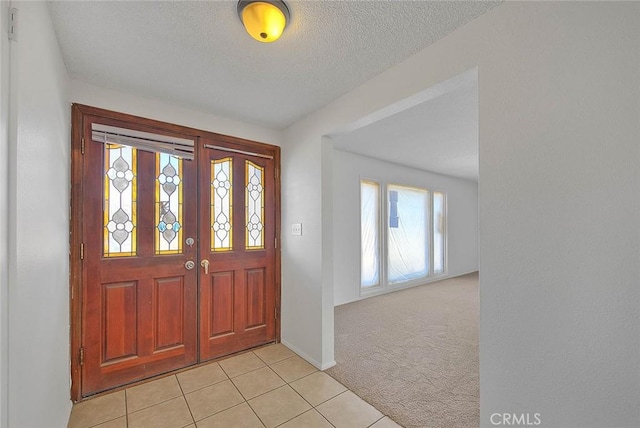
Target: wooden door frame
pixel 78 113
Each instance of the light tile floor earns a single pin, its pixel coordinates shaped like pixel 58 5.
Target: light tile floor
pixel 268 387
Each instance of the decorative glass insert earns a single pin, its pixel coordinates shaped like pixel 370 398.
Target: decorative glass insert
pixel 438 232
pixel 120 198
pixel 222 205
pixel 254 176
pixel 168 200
pixel 369 234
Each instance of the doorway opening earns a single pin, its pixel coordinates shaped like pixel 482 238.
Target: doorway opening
pixel 427 146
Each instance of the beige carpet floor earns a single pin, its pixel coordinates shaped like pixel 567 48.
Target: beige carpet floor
pixel 413 354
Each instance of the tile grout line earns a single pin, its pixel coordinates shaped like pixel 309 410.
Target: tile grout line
pixel 225 410
pixel 312 406
pixel 264 393
pixel 280 361
pixel 257 415
pixel 330 398
pixel 287 419
pixel 282 386
pixel 294 390
pixel 155 404
pixel 111 420
pixel 300 395
pixel 276 373
pixel 159 402
pixel 242 395
pixel 349 389
pixel 276 344
pixel 275 362
pixel 259 395
pixel 242 374
pixel 246 400
pixel 126 410
pixel 184 397
pixel 336 396
pixel 208 385
pixel 383 416
pixel 254 412
pixel 103 422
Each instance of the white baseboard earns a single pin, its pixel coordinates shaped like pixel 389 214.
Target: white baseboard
pixel 304 355
pixel 403 286
pixel 328 365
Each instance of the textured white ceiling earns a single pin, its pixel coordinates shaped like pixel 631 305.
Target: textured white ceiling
pixel 439 135
pixel 197 54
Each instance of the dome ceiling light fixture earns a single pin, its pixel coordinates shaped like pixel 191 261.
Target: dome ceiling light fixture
pixel 264 20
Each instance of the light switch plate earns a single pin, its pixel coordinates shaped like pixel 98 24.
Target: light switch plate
pixel 296 229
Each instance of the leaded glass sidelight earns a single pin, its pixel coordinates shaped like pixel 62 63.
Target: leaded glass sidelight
pixel 168 201
pixel 221 205
pixel 120 198
pixel 254 176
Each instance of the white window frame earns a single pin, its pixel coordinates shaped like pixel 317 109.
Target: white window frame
pixel 384 285
pixel 420 280
pixel 445 237
pixel 373 289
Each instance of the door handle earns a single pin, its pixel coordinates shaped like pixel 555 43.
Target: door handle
pixel 190 264
pixel 205 265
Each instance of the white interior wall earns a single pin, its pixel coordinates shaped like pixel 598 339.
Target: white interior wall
pixel 462 217
pixel 40 192
pixel 559 202
pixel 4 211
pixel 328 333
pixel 302 295
pixel 95 96
pixel 38 384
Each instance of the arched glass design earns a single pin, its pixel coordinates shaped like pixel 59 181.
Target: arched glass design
pixel 120 199
pixel 254 206
pixel 222 204
pixel 168 201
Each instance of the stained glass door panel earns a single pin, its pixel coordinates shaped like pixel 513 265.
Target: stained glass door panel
pixel 139 311
pixel 169 204
pixel 237 288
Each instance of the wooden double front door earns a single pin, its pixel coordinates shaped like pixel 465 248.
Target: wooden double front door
pixel 177 260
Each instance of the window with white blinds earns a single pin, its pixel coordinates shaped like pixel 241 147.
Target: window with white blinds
pixel 146 141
